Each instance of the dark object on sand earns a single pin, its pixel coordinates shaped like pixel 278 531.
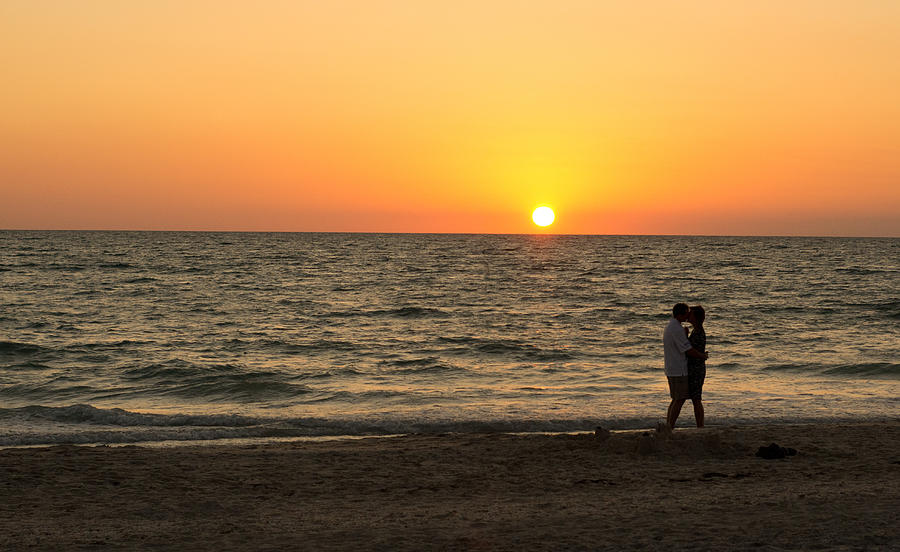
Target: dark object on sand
pixel 774 451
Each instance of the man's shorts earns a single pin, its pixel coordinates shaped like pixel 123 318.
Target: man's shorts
pixel 678 387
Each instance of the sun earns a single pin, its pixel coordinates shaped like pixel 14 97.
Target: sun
pixel 543 216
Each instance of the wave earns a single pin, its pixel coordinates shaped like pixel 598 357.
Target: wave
pixel 402 312
pixel 234 388
pixel 868 369
pixel 871 369
pixel 27 365
pixel 87 414
pixel 890 308
pixel 54 390
pixel 211 383
pixel 214 383
pixel 858 270
pixel 57 266
pixel 288 347
pixel 506 347
pixel 104 345
pixel 171 369
pixel 437 368
pixel 419 366
pixel 86 424
pixel 82 423
pixel 13 348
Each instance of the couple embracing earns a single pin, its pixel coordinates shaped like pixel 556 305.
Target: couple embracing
pixel 686 356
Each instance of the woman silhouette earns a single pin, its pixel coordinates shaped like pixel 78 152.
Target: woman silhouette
pixel 697 366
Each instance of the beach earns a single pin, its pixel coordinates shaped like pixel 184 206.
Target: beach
pixel 637 490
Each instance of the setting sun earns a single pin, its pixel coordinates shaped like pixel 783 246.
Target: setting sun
pixel 543 216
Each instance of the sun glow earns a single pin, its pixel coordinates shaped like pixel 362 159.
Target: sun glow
pixel 273 120
pixel 543 216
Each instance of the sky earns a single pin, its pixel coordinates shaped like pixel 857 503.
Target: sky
pixel 715 118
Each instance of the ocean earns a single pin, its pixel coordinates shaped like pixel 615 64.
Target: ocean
pixel 149 337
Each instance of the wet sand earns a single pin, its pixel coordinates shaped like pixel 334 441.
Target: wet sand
pixel 696 489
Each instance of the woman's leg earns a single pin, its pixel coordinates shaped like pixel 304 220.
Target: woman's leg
pixel 698 411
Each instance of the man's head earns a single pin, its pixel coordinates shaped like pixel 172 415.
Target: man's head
pixel 680 312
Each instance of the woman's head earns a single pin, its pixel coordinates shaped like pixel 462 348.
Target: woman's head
pixel 697 315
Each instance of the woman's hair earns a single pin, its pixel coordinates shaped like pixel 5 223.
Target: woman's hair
pixel 699 313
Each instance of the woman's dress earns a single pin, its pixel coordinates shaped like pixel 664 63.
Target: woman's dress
pixel 696 366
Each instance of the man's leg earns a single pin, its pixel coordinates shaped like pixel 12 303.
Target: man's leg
pixel 674 411
pixel 698 411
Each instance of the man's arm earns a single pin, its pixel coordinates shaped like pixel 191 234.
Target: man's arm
pixel 694 353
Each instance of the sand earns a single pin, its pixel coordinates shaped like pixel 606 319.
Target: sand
pixel 696 489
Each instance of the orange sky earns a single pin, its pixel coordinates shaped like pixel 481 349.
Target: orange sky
pixel 756 117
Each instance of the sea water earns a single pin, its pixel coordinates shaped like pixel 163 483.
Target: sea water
pixel 118 337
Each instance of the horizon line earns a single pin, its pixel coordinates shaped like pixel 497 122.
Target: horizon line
pixel 442 233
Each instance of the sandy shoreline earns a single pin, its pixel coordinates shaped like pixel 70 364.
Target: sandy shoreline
pixel 703 490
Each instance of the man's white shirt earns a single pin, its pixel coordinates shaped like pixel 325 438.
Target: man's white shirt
pixel 675 344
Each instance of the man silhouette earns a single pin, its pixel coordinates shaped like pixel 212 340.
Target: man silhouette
pixel 677 348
